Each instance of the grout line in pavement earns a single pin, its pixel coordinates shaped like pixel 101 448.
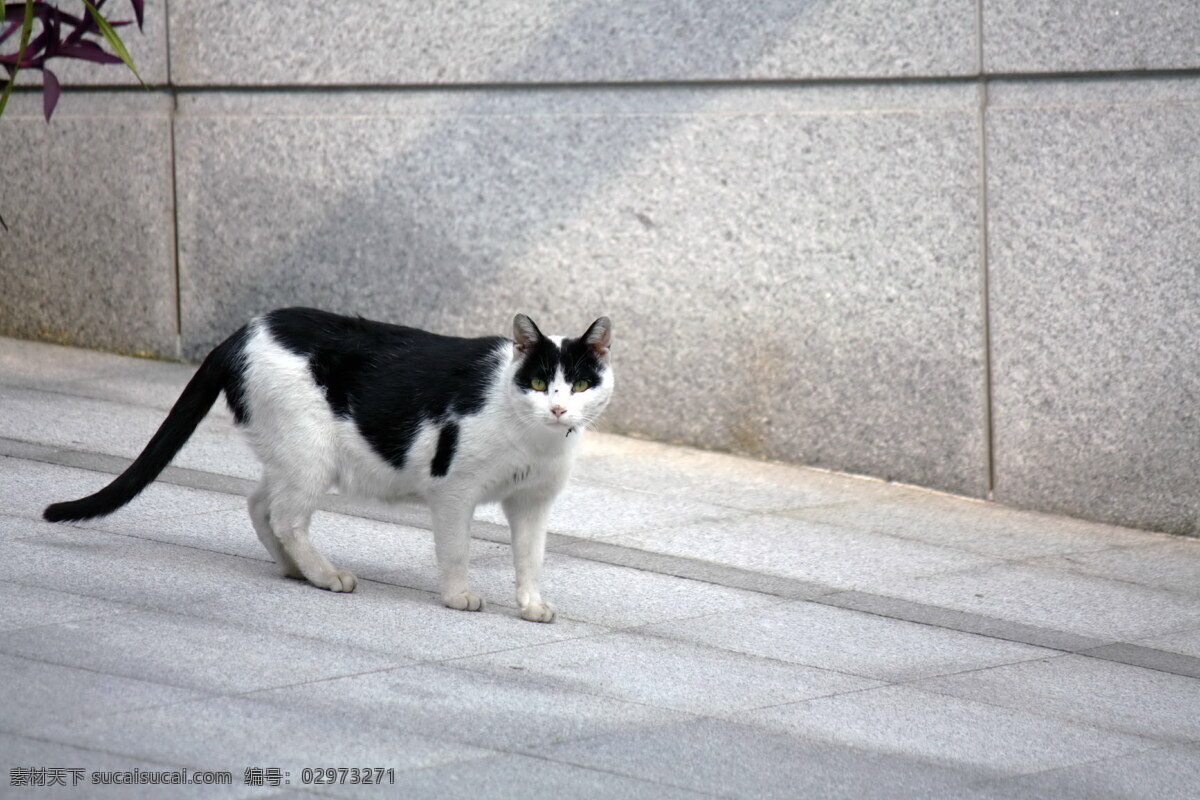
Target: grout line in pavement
pixel 670 565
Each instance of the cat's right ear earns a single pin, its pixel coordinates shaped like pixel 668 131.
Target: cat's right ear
pixel 525 334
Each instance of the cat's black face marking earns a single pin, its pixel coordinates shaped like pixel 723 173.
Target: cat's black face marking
pixel 447 443
pixel 579 362
pixel 388 378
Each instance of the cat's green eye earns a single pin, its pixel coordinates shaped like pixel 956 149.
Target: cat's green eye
pixel 580 386
pixel 538 385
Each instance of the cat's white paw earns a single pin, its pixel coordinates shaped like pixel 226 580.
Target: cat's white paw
pixel 539 612
pixel 347 580
pixel 342 581
pixel 463 601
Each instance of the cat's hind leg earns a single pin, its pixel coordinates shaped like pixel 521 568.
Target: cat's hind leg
pixel 260 516
pixel 290 511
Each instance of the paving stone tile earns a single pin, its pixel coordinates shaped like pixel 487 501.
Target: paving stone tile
pixel 188 652
pixel 35 694
pixel 121 429
pixel 692 569
pixel 370 548
pixel 780 545
pixel 1169 773
pixel 523 778
pixel 1089 691
pixel 504 711
pixel 741 761
pixel 1169 563
pixel 127 569
pixel 848 641
pixel 974 736
pixel 234 733
pixel 1146 658
pixel 24 606
pixel 1059 600
pixel 718 478
pixel 668 673
pixel 385 619
pixel 964 621
pixel 1186 642
pixel 18 527
pixel 617 596
pixel 30 753
pixel 36 484
pixel 76 372
pixel 590 511
pixel 973 525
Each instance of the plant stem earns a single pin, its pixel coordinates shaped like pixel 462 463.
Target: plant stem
pixel 26 29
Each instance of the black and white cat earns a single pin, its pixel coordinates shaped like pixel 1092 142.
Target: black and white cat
pixel 389 412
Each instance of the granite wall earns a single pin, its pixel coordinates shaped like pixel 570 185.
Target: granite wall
pixel 943 242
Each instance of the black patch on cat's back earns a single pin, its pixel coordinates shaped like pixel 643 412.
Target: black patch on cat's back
pixel 389 379
pixel 330 367
pixel 447 443
pixel 234 358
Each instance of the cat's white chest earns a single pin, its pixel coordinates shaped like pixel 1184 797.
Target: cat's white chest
pixel 544 476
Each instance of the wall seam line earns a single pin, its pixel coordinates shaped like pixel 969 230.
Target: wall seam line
pixel 174 182
pixel 989 427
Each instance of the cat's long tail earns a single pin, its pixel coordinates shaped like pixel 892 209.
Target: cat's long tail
pixel 198 397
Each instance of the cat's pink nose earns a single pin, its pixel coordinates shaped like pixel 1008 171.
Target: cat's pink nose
pixel 557 411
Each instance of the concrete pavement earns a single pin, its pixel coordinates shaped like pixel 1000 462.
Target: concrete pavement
pixel 727 628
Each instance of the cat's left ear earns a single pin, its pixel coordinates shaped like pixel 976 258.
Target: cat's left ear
pixel 599 337
pixel 525 333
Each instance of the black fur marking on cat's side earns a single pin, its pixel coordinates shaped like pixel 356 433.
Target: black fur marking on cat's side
pixel 447 442
pixel 389 378
pixel 235 389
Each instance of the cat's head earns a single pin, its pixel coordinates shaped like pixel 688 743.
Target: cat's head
pixel 561 384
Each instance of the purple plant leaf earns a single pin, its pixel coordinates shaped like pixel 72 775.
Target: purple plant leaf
pixel 87 51
pixel 15 12
pixel 50 92
pixel 70 19
pixel 36 45
pixel 139 7
pixel 51 33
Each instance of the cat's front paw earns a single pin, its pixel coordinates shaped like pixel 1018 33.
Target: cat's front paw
pixel 463 601
pixel 343 581
pixel 538 612
pixel 340 581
